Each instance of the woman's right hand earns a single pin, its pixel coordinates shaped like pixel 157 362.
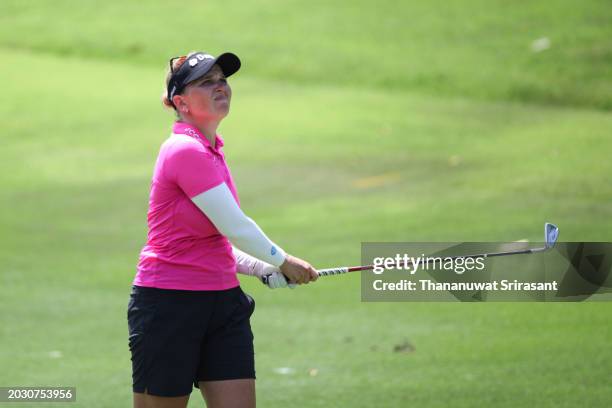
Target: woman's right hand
pixel 298 271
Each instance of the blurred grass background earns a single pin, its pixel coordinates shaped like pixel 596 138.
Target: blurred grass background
pixel 351 122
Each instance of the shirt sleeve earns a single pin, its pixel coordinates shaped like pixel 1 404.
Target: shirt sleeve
pixel 192 167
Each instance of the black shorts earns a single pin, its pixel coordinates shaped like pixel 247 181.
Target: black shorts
pixel 180 337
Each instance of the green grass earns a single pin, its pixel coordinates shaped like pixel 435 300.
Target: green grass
pixel 470 47
pixel 466 134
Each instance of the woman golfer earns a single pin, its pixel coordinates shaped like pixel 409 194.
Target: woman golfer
pixel 188 318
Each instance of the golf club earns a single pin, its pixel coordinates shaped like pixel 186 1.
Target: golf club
pixel 551 233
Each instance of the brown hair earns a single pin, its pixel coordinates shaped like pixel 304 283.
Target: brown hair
pixel 176 64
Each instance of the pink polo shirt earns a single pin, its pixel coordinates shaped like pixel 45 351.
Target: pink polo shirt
pixel 184 250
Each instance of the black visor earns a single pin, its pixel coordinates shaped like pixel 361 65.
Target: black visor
pixel 198 65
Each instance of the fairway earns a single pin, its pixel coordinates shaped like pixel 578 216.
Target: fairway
pixel 350 123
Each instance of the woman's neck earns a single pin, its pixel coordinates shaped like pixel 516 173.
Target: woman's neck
pixel 208 129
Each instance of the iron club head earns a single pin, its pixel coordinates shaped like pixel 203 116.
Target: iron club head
pixel 551 233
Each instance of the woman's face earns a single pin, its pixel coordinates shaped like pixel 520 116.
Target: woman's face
pixel 207 98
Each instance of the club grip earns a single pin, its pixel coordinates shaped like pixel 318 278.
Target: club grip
pixel 332 271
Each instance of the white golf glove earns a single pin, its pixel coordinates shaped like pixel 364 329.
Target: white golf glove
pixel 274 279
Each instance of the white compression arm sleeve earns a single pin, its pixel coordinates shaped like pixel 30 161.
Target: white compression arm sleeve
pixel 249 265
pixel 220 207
